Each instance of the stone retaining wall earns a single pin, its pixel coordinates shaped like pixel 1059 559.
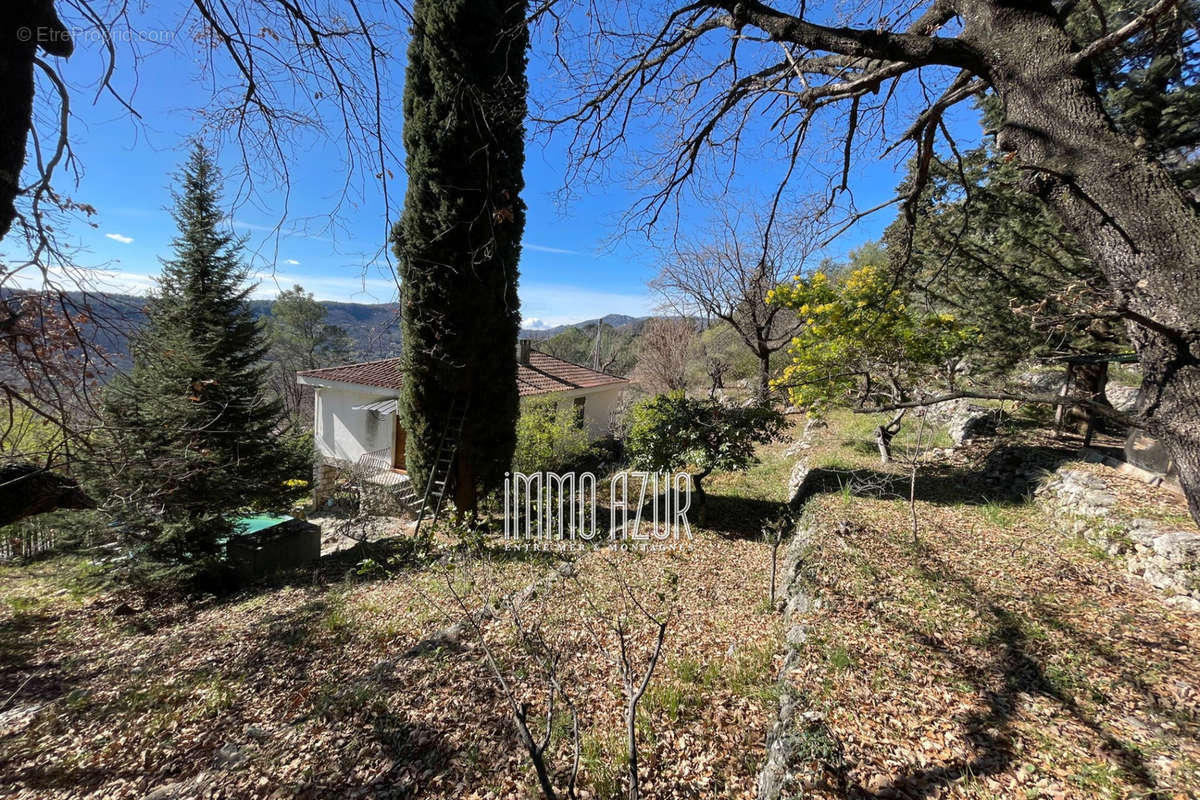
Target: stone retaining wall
pixel 789 771
pixel 782 775
pixel 1167 559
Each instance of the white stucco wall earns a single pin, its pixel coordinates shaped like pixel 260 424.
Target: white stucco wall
pixel 342 432
pixel 597 412
pixel 598 407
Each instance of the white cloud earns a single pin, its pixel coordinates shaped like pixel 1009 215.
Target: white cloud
pixel 541 248
pixel 116 237
pixel 292 261
pixel 558 304
pixel 293 233
pixel 535 324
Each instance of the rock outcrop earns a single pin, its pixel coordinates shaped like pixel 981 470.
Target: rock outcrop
pixel 1169 560
pixel 972 422
pixel 1121 398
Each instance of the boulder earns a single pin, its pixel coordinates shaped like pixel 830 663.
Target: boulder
pixel 1178 547
pixel 1043 381
pixel 942 413
pixel 972 422
pixel 1122 398
pixel 1184 602
pixel 1143 532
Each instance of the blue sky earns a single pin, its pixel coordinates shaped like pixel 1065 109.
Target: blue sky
pixel 574 265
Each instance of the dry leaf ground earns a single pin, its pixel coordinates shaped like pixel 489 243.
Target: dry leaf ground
pixel 300 688
pixel 993 655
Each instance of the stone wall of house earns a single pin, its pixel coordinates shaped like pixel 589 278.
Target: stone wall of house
pixel 325 475
pixel 1167 559
pixel 395 500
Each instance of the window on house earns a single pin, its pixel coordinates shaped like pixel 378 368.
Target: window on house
pixel 580 403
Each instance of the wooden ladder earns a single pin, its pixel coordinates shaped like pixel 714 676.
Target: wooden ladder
pixel 443 465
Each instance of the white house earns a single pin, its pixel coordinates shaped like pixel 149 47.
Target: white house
pixel 355 406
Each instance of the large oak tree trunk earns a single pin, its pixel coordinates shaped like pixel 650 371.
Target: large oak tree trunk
pixel 1125 208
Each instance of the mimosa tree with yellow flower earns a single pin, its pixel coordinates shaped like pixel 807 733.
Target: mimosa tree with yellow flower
pixel 862 345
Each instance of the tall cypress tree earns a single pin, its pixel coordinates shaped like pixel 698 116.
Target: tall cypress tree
pixel 458 240
pixel 192 421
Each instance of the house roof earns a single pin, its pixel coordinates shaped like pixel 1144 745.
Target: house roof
pixel 542 375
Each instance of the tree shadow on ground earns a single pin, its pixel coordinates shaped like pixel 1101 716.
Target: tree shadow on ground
pixel 727 515
pixel 1006 475
pixel 736 517
pixel 418 752
pixel 1009 675
pixel 25 676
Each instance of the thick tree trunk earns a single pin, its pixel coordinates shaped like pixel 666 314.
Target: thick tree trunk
pixel 883 441
pixel 1125 208
pixel 465 497
pixel 884 435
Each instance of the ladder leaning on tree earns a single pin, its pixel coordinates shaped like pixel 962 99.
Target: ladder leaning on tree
pixel 442 469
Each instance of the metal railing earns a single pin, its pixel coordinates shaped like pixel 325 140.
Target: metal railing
pixel 374 462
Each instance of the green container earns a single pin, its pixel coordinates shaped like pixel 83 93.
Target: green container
pixel 265 543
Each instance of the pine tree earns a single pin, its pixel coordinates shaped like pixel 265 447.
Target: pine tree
pixel 999 261
pixel 458 240
pixel 1149 85
pixel 192 422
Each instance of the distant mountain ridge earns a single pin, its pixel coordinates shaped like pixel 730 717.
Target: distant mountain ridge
pixel 374 327
pixel 618 321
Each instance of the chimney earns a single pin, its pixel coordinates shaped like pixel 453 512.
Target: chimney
pixel 524 346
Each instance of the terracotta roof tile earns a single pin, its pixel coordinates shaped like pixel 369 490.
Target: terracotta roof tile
pixel 383 374
pixel 542 375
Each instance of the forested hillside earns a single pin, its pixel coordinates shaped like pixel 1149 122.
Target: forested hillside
pixel 372 327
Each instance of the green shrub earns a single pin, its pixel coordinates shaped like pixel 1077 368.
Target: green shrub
pixel 673 432
pixel 549 437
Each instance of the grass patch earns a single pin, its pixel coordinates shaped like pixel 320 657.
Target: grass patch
pixel 695 672
pixel 670 700
pixel 602 760
pixel 839 659
pixel 752 672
